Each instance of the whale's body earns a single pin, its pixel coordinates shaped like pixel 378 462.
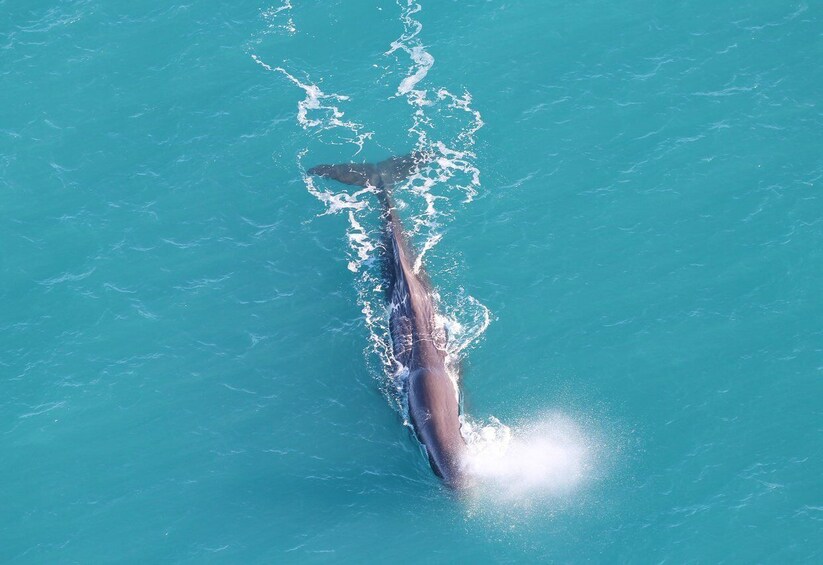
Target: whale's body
pixel 418 343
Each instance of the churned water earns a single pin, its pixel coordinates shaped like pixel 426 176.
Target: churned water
pixel 623 222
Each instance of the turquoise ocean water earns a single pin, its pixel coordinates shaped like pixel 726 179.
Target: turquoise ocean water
pixel 624 224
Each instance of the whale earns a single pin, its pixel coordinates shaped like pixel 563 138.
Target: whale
pixel 418 342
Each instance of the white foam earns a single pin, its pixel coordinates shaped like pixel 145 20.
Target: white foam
pixel 476 318
pixel 543 460
pixel 464 103
pixel 273 16
pixel 318 111
pixel 359 242
pixel 422 60
pixel 335 201
pixel 457 154
pixel 431 242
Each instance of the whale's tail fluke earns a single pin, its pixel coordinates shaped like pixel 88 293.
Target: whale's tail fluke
pixel 348 173
pixel 380 175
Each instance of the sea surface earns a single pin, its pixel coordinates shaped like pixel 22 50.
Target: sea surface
pixel 623 223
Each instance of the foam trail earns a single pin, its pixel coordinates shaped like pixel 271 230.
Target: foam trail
pixel 337 202
pixel 274 14
pixel 463 335
pixel 329 116
pixel 422 59
pixel 424 62
pixel 456 155
pixel 431 242
pixel 359 241
pixel 278 20
pixel 464 103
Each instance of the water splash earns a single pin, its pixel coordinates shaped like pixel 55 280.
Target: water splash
pixel 539 464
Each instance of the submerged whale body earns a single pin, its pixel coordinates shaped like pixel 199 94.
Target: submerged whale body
pixel 418 344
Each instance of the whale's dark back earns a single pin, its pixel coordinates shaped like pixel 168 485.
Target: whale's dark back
pixel 418 343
